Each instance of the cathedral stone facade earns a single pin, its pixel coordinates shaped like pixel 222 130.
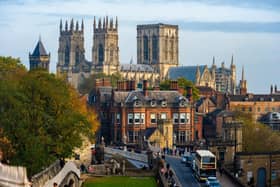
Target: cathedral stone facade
pixel 221 79
pixel 157 51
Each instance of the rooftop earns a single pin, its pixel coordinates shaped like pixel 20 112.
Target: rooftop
pixel 39 49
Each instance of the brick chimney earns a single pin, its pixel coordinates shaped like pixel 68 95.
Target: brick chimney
pixel 173 85
pixel 145 88
pixel 132 85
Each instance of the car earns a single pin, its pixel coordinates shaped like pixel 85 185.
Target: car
pixel 184 159
pixel 212 182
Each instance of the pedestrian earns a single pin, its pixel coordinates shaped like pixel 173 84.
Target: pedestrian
pixel 221 171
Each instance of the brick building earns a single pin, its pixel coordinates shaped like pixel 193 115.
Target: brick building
pixel 223 135
pixel 127 113
pixel 255 104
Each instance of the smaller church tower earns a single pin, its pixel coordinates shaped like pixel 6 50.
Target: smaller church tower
pixel 243 84
pixel 233 76
pixel 39 59
pixel 105 50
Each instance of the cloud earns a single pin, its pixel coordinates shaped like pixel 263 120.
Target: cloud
pixel 254 27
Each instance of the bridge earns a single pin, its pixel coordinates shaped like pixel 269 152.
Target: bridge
pixel 15 176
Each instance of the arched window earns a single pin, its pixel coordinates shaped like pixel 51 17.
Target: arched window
pixel 111 53
pixel 172 48
pixel 146 48
pixel 155 48
pixel 166 48
pixel 67 56
pixel 77 56
pixel 100 54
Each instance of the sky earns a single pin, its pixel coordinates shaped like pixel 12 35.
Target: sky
pixel 247 29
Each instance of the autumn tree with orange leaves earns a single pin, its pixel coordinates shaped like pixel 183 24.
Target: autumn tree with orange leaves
pixel 41 117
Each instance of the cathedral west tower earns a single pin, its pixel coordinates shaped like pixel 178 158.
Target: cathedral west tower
pixel 71 52
pixel 105 50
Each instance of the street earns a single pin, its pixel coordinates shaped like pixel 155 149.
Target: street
pixel 183 173
pixel 186 177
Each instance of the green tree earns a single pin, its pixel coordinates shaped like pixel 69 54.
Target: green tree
pixel 183 83
pixel 256 136
pixel 41 117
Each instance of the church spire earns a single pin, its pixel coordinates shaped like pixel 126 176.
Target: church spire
pixel 60 25
pixel 77 25
pixel 242 78
pixel 116 24
pixel 71 24
pixel 94 23
pixel 106 22
pixel 243 84
pixel 232 59
pixel 82 25
pixel 66 25
pixel 99 23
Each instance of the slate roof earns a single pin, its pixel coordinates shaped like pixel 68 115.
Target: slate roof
pixel 39 50
pixel 253 98
pixel 171 97
pixel 188 72
pixel 137 68
pixel 149 132
pixel 105 93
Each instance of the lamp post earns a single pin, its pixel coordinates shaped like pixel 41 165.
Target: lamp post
pixel 174 139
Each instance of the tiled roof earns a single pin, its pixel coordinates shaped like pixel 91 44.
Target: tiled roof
pixel 137 68
pixel 120 96
pixel 39 50
pixel 105 93
pixel 171 97
pixel 188 72
pixel 253 98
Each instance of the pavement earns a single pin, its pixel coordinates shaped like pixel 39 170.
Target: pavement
pixel 186 177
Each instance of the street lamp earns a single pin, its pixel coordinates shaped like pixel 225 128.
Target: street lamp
pixel 174 139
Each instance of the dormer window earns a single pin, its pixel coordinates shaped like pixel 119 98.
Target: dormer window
pixel 153 103
pixel 164 103
pixel 137 103
pixel 182 103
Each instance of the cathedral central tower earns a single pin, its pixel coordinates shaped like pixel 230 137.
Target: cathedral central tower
pixel 157 45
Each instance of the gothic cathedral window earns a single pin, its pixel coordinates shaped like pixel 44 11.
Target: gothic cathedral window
pixel 67 56
pixel 155 47
pixel 77 56
pixel 100 54
pixel 146 48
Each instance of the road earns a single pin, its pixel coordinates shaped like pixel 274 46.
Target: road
pixel 186 177
pixel 183 173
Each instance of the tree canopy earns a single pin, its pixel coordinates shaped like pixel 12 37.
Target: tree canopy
pixel 41 117
pixel 256 136
pixel 183 83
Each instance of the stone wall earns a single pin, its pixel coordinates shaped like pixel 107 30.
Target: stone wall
pixel 14 176
pixel 41 178
pixel 127 154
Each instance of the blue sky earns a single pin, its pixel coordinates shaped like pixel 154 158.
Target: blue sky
pixel 248 29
